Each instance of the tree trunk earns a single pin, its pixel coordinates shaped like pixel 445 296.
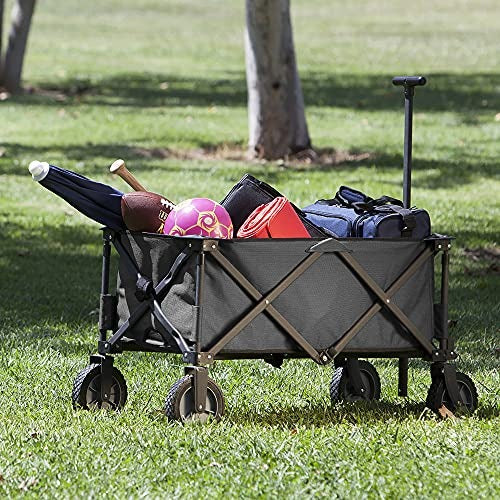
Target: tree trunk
pixel 277 122
pixel 1 36
pixel 18 37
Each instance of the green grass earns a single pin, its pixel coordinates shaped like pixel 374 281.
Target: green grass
pixel 280 436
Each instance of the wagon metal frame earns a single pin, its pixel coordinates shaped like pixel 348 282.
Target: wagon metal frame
pixel 198 360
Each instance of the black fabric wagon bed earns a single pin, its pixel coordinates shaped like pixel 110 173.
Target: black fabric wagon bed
pixel 322 303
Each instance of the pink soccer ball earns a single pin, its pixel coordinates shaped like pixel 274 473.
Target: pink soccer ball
pixel 199 217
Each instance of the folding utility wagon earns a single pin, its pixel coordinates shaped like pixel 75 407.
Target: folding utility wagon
pixel 331 300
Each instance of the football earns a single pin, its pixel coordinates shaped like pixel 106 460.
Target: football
pixel 199 217
pixel 144 211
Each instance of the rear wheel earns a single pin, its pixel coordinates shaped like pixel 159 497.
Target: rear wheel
pixel 438 395
pixel 180 404
pixel 86 394
pixel 341 388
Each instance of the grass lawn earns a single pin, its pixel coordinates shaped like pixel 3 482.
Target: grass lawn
pixel 131 79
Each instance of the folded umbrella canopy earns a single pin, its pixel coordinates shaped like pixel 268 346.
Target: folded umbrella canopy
pixel 97 201
pixel 276 219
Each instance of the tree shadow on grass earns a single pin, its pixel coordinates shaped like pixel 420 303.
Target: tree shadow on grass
pixel 439 174
pixel 460 93
pixel 360 413
pixel 143 159
pixel 49 274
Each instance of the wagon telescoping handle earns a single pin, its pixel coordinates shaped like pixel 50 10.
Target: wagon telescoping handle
pixel 409 83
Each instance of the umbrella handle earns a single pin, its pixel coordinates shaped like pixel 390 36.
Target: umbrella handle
pixel 119 168
pixel 38 170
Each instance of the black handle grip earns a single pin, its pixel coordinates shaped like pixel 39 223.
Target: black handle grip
pixel 409 81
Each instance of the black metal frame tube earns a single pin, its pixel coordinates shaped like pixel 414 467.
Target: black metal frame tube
pixel 198 301
pixel 409 92
pixel 151 303
pixel 106 261
pixel 445 273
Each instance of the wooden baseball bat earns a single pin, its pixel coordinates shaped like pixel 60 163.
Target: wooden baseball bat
pixel 119 168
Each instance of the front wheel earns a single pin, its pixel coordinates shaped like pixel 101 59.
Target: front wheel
pixel 180 404
pixel 438 395
pixel 341 388
pixel 86 394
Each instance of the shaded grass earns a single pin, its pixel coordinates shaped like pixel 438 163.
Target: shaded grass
pixel 465 94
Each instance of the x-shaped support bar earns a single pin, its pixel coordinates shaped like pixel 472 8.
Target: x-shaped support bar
pixel 264 303
pixel 384 301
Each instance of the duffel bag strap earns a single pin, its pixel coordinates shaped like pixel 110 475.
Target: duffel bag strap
pixel 368 206
pixel 359 201
pixel 348 196
pixel 409 220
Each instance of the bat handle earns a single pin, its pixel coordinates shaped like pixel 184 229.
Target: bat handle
pixel 119 168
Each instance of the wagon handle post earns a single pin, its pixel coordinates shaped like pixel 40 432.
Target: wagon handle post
pixel 409 83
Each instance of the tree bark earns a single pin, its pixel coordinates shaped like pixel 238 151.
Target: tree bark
pixel 1 35
pixel 277 122
pixel 22 13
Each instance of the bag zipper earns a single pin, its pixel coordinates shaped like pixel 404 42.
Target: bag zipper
pixel 331 216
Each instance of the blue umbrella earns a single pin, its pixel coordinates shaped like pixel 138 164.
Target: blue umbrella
pixel 100 202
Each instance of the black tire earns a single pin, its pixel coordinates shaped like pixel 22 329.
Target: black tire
pixel 342 390
pixel 179 404
pixel 438 395
pixel 86 393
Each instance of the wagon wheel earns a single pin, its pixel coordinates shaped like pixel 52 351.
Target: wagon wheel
pixel 86 393
pixel 438 395
pixel 342 390
pixel 180 405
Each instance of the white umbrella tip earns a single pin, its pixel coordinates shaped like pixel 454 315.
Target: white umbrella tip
pixel 38 169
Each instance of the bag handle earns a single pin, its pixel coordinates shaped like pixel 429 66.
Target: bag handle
pixel 407 216
pixel 352 198
pixel 345 197
pixel 370 205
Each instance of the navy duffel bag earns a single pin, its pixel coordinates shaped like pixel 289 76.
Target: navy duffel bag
pixel 353 214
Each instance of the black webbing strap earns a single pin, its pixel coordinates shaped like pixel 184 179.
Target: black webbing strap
pixel 369 206
pixel 389 204
pixel 409 220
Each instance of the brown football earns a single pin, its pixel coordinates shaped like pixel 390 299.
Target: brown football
pixel 145 211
